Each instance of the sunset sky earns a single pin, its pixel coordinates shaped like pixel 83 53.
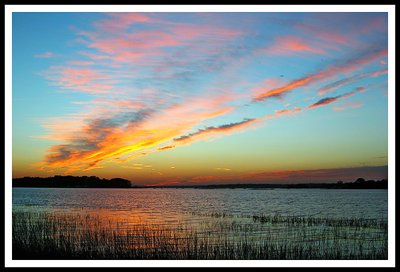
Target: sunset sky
pixel 200 98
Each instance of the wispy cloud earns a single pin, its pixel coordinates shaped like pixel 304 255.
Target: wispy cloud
pixel 45 55
pixel 343 82
pixel 165 147
pixel 287 45
pixel 80 79
pixel 120 21
pixel 125 132
pixel 212 130
pixel 226 129
pixel 329 100
pixel 348 106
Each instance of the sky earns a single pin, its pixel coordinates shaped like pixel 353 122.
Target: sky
pixel 200 98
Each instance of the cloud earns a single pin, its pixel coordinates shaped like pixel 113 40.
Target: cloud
pixel 81 79
pixel 324 74
pixel 282 112
pixel 212 130
pixel 166 147
pixel 223 169
pixel 348 106
pixel 361 89
pixel 208 132
pixel 328 100
pixel 123 132
pixel 81 63
pixel 120 21
pixel 287 45
pixel 343 82
pixel 45 55
pixel 124 135
pixel 115 40
pixel 326 34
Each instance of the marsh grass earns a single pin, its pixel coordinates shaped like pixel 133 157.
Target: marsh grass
pixel 216 236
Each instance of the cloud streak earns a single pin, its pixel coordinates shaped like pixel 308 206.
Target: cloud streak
pixel 45 55
pixel 328 100
pixel 343 82
pixel 287 45
pixel 213 130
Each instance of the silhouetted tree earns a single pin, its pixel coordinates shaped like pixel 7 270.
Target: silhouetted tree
pixel 360 180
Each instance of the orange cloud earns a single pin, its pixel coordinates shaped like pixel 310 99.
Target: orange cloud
pixel 117 133
pixel 166 147
pixel 281 112
pixel 127 135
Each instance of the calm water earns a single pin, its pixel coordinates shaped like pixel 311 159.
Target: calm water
pixel 183 204
pixel 204 219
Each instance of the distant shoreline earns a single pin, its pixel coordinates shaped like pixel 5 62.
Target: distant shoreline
pixel 96 182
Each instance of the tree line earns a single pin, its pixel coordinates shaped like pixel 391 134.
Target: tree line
pixel 71 182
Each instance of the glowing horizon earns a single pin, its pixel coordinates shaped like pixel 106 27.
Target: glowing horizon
pixel 183 98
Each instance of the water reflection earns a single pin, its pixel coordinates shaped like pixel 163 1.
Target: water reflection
pixel 173 203
pixel 240 223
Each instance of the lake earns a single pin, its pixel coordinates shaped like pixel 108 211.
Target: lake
pixel 290 223
pixel 175 202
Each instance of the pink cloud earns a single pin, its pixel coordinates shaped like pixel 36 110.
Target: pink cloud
pixel 376 24
pixel 121 21
pixel 287 45
pixel 85 79
pixel 190 32
pixel 288 176
pixel 81 63
pixel 348 106
pixel 329 36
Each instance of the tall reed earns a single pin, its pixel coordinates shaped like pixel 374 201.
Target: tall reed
pixel 76 236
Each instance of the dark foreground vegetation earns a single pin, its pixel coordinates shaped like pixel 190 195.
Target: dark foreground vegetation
pixel 217 236
pixel 96 182
pixel 71 182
